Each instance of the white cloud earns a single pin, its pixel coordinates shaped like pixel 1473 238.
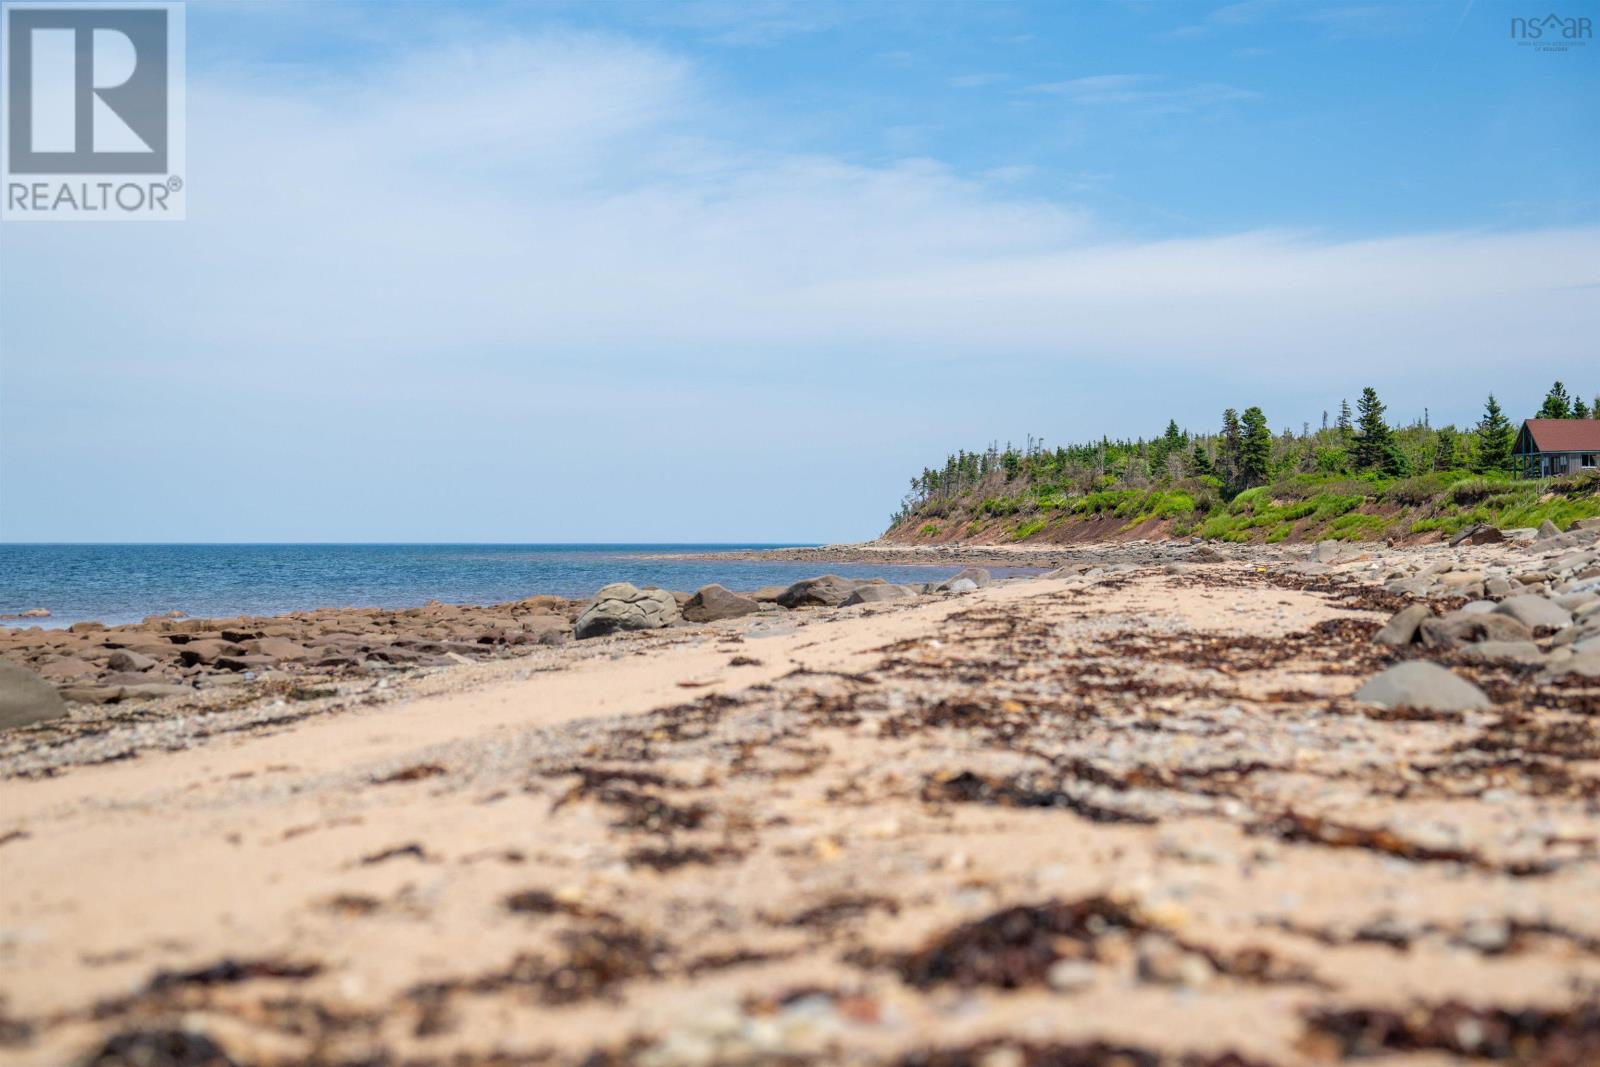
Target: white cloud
pixel 583 193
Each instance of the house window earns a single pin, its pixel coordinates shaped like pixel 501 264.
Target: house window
pixel 1588 459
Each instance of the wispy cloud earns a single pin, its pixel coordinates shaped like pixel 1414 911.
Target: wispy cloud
pixel 1344 21
pixel 1145 92
pixel 753 23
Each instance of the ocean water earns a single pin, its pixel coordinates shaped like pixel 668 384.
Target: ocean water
pixel 125 583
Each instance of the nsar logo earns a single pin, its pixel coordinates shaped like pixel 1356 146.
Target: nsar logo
pixel 1552 33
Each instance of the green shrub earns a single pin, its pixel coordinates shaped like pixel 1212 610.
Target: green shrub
pixel 1356 527
pixel 1028 529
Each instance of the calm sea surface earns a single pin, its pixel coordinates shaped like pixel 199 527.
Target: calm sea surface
pixel 125 583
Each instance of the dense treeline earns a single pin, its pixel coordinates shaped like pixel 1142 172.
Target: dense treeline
pixel 1242 454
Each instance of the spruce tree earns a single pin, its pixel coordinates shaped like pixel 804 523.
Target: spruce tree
pixel 1580 410
pixel 1228 450
pixel 1342 424
pixel 1557 404
pixel 1255 449
pixel 1174 438
pixel 1372 434
pixel 1494 440
pixel 1199 460
pixel 1444 453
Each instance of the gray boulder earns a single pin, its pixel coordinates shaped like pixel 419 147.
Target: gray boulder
pixel 1402 628
pixel 976 575
pixel 959 585
pixel 1547 530
pixel 1583 664
pixel 1466 627
pixel 1482 534
pixel 26 698
pixel 621 606
pixel 1422 685
pixel 828 591
pixel 1523 652
pixel 1535 612
pixel 713 602
pixel 125 659
pixel 876 594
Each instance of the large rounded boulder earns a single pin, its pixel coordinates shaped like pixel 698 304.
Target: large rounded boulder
pixel 713 602
pixel 828 591
pixel 620 606
pixel 26 698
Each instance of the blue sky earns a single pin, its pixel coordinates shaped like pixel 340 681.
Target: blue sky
pixel 735 271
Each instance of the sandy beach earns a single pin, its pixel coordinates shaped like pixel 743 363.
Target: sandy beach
pixel 1128 815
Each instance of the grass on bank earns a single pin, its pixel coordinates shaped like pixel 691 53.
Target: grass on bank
pixel 1300 506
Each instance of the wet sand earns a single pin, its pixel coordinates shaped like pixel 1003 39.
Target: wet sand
pixel 1135 818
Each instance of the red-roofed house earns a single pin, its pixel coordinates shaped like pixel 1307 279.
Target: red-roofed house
pixel 1548 447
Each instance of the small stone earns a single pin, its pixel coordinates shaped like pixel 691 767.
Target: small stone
pixel 127 660
pixel 1165 962
pixel 1401 629
pixel 978 576
pixel 1068 976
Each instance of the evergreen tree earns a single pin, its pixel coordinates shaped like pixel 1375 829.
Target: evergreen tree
pixel 1444 453
pixel 1580 410
pixel 1557 404
pixel 1372 436
pixel 1169 443
pixel 1342 424
pixel 1228 449
pixel 1255 449
pixel 1199 460
pixel 1494 440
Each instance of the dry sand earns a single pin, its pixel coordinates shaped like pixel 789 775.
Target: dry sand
pixel 1135 822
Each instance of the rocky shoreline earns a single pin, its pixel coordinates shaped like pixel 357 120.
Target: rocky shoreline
pixel 166 657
